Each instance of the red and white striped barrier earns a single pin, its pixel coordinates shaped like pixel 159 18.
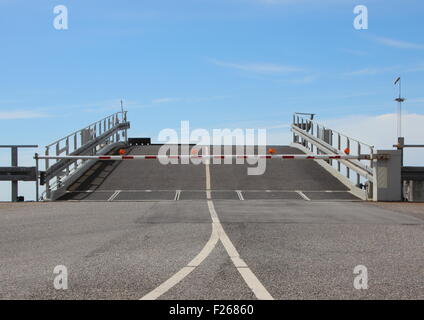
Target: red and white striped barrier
pixel 274 156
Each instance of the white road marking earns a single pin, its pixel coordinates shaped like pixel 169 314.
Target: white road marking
pixel 249 277
pixel 177 195
pixel 217 234
pixel 184 272
pixel 196 190
pixel 208 178
pixel 113 196
pixel 303 195
pixel 240 195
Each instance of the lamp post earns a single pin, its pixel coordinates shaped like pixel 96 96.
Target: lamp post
pixel 399 100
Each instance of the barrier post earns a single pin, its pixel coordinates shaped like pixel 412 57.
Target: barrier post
pixel 37 193
pixel 387 176
pixel 14 161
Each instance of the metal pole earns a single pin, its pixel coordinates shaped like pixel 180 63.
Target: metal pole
pixel 312 133
pixel 400 108
pixel 399 119
pixel 399 113
pixel 339 146
pixel 347 168
pixel 47 184
pixel 36 180
pixel 400 146
pixel 14 160
pixel 358 176
pixel 75 148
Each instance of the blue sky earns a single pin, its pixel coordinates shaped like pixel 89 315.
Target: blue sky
pixel 217 63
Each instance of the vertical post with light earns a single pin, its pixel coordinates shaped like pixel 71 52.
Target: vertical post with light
pixel 399 100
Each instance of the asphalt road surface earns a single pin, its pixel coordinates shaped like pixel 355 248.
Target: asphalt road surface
pixel 142 230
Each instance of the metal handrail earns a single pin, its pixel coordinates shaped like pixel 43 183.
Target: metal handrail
pixel 124 118
pixel 335 131
pixel 352 163
pixel 88 140
pixel 319 138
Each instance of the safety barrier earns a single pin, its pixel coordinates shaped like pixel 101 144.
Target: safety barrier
pixel 152 157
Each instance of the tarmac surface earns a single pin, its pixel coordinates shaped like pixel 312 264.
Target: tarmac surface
pixel 139 229
pixel 149 180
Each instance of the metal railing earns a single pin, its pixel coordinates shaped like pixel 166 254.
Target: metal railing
pixel 15 173
pixel 86 141
pixel 320 139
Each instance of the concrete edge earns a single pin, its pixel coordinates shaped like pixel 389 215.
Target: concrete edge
pixel 361 194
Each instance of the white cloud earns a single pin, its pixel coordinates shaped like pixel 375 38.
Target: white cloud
pixel 378 70
pixel 380 131
pixel 372 71
pixel 264 68
pixel 188 99
pixel 301 2
pixel 305 80
pixel 355 52
pixel 417 68
pixel 13 115
pixel 416 100
pixel 165 100
pixel 275 2
pixel 398 43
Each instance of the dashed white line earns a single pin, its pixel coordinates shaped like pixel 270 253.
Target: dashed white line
pixel 303 195
pixel 177 195
pixel 113 196
pixel 240 195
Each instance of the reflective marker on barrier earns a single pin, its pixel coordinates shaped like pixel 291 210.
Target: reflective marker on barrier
pixel 152 157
